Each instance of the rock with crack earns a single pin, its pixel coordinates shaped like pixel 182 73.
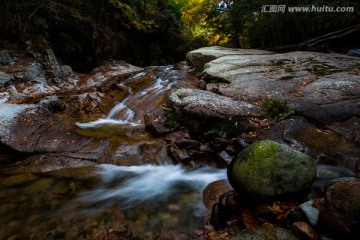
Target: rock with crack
pixel 204 104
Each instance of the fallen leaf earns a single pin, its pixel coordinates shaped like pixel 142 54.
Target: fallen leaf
pixel 249 220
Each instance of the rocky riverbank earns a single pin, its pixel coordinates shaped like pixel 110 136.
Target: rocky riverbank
pixel 307 101
pixel 302 101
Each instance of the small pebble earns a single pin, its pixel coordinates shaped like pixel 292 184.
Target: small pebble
pixel 311 212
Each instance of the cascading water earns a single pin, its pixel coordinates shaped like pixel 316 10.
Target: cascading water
pixel 144 188
pixel 142 196
pixel 131 110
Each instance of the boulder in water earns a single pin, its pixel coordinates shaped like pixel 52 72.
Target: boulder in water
pixel 267 170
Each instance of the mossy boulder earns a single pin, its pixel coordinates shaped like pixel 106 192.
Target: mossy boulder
pixel 267 170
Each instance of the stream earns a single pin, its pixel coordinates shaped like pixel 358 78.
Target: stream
pixel 142 195
pixel 142 200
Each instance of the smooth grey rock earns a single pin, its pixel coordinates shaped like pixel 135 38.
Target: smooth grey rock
pixel 322 87
pixel 267 170
pixel 311 213
pixel 224 155
pixel 198 58
pixel 206 104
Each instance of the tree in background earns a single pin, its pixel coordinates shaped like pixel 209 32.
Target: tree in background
pixel 82 32
pixel 254 29
pixel 206 22
pixel 159 32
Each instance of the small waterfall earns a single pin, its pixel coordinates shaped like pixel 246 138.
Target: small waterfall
pixel 131 110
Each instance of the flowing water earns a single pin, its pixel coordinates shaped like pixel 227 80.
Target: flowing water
pixel 137 201
pixel 144 200
pixel 142 196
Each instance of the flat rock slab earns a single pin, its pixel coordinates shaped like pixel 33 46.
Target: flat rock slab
pixel 198 58
pixel 28 128
pixel 206 104
pixel 322 87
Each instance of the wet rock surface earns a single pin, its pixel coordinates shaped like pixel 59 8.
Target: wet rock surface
pixel 214 190
pixel 41 100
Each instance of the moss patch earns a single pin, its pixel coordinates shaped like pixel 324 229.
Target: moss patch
pixel 175 119
pixel 274 108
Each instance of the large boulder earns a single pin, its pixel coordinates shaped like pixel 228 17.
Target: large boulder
pixel 199 57
pixel 267 170
pixel 341 210
pixel 322 87
pixel 204 104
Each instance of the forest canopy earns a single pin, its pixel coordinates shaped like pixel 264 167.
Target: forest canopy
pixel 159 32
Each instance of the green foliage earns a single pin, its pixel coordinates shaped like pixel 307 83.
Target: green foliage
pixel 175 119
pixel 254 29
pixel 82 32
pixel 274 108
pixel 231 127
pixel 157 32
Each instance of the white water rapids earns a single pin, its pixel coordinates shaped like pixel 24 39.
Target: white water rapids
pixel 130 186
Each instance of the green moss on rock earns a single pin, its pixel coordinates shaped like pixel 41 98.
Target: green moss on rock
pixel 267 170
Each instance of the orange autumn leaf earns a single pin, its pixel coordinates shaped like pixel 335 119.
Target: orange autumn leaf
pixel 249 220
